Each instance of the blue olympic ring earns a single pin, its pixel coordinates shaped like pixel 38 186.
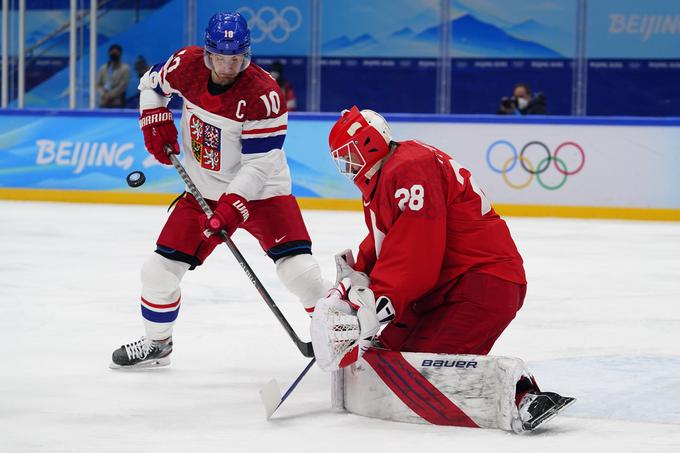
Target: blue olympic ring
pixel 514 153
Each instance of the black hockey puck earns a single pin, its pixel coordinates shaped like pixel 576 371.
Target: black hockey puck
pixel 136 179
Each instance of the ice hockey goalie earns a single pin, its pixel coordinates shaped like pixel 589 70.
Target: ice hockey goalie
pixel 440 274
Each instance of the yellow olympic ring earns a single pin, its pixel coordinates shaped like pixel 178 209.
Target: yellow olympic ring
pixel 528 163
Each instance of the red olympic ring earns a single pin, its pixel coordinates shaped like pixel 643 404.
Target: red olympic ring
pixel 580 150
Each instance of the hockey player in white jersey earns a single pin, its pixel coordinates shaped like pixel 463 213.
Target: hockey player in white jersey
pixel 233 125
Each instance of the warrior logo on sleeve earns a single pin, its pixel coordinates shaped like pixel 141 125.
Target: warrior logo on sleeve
pixel 205 143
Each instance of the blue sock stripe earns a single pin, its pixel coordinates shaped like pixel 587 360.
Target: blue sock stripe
pixel 155 316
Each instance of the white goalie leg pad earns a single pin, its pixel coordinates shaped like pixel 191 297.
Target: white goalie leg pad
pixel 443 389
pixel 301 275
pixel 161 294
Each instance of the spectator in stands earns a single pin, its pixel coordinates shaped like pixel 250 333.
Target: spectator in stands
pixel 523 102
pixel 276 71
pixel 112 79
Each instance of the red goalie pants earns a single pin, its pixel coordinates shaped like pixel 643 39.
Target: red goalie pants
pixel 466 318
pixel 275 222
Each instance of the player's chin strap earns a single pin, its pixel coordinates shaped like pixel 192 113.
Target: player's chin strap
pixel 305 348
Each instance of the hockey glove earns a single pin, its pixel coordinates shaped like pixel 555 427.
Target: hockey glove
pixel 343 330
pixel 231 211
pixel 159 129
pixel 344 265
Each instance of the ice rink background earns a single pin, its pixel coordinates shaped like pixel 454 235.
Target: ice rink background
pixel 601 322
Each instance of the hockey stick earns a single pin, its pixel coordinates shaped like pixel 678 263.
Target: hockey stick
pixel 305 348
pixel 271 393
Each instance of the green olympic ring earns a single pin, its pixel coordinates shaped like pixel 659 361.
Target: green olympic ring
pixel 564 173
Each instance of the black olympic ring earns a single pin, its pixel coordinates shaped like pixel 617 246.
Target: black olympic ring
pixel 547 160
pixel 542 166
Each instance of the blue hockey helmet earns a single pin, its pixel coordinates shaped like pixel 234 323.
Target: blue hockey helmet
pixel 228 34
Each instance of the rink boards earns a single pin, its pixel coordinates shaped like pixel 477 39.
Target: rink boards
pixel 549 166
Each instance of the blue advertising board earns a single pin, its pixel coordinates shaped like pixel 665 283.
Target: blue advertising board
pixel 96 150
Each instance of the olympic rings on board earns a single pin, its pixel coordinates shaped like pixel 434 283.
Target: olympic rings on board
pixel 267 22
pixel 528 167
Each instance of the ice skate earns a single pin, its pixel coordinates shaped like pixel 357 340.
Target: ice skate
pixel 143 353
pixel 537 408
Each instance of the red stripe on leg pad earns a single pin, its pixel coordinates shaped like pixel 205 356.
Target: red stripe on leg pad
pixel 414 390
pixel 160 306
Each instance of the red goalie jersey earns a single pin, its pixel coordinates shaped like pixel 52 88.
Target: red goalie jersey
pixel 429 223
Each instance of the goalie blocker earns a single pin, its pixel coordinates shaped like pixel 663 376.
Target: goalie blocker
pixel 443 389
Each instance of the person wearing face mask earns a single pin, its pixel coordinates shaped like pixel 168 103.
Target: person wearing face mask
pixel 523 102
pixel 112 79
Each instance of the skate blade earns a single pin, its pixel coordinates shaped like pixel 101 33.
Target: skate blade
pixel 549 415
pixel 155 363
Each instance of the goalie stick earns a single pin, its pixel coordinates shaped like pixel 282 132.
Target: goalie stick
pixel 271 393
pixel 305 348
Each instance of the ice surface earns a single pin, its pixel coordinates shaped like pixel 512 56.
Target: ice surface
pixel 601 322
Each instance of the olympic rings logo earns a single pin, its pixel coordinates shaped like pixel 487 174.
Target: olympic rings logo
pixel 509 164
pixel 267 22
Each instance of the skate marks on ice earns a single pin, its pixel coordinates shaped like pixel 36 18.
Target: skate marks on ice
pixel 631 388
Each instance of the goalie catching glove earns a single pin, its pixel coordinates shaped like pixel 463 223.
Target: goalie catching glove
pixel 342 330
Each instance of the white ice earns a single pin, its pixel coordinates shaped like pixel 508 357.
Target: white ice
pixel 601 322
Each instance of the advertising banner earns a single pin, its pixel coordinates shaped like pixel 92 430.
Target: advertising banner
pixel 86 151
pixel 611 163
pixel 276 28
pixel 615 165
pixel 633 30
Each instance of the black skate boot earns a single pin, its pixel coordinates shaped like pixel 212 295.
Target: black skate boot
pixel 537 408
pixel 143 353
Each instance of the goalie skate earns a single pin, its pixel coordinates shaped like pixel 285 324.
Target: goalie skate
pixel 143 353
pixel 538 408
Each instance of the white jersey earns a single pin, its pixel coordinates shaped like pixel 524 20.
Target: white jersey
pixel 233 141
